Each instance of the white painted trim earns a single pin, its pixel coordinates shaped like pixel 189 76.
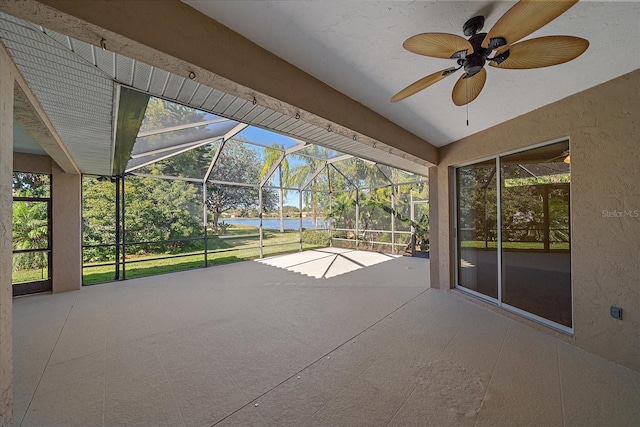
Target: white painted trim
pixel 477 294
pixel 114 123
pixel 538 319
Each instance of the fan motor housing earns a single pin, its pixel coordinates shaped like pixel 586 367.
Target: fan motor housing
pixel 473 63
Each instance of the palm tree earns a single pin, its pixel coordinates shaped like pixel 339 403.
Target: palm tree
pixel 309 162
pixel 30 231
pixel 273 155
pixel 343 207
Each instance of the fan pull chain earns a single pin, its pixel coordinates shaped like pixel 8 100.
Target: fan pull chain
pixel 466 86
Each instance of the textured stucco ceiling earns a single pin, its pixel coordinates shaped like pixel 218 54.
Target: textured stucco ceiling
pixel 356 47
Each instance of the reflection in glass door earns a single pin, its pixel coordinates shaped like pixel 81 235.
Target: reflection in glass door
pixel 527 252
pixel 536 256
pixel 477 222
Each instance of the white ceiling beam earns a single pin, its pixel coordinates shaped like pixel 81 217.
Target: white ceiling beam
pixel 272 169
pixel 340 158
pixel 313 176
pixel 236 130
pixel 167 177
pixel 296 148
pixel 345 177
pixel 191 147
pixel 214 160
pixel 193 144
pixel 181 127
pixel 233 132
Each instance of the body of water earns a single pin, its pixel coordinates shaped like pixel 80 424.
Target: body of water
pixel 274 223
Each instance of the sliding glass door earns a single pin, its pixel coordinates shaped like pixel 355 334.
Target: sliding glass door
pixel 523 261
pixel 477 226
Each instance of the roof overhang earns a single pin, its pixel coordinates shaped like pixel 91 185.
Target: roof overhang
pixel 186 56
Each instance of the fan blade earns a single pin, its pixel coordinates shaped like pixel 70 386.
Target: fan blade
pixel 525 17
pixel 423 83
pixel 466 90
pixel 543 52
pixel 438 45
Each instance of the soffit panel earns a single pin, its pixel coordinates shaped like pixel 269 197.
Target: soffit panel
pixel 77 98
pixel 94 70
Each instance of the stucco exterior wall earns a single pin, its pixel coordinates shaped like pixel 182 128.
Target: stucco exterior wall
pixel 66 194
pixel 24 162
pixel 603 125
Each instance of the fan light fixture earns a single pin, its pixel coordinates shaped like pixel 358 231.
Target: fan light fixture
pixel 498 47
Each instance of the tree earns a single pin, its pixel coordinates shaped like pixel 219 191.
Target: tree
pixel 155 209
pixel 98 218
pixel 26 184
pixel 30 230
pixel 162 114
pixel 238 163
pixel 304 168
pixel 158 209
pixel 273 155
pixel 30 224
pixel 344 209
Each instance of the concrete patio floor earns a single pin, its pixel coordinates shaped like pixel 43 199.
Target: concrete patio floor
pixel 252 344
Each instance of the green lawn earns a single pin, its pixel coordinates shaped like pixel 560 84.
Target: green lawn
pixel 221 251
pixel 32 275
pixel 231 249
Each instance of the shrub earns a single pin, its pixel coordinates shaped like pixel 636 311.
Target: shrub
pixel 316 237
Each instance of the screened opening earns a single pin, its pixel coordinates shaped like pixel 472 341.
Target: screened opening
pixel 201 190
pixel 31 233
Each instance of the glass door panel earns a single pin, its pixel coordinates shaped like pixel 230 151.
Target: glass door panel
pixel 536 257
pixel 477 237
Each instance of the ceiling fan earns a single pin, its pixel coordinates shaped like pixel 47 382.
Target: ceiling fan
pixel 498 47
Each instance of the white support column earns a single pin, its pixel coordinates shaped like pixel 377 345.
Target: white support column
pixel 6 201
pixel 393 219
pixel 330 207
pixel 260 217
pixel 330 220
pixel 413 219
pixel 280 199
pixel 205 225
pixel 357 214
pixel 300 217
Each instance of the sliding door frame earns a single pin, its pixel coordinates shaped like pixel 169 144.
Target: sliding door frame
pixel 456 255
